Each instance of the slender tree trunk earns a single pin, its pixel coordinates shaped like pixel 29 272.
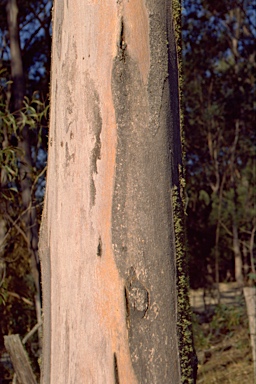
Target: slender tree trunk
pixel 236 242
pixel 107 238
pixel 238 256
pixel 251 248
pixel 217 237
pixel 250 299
pixel 18 92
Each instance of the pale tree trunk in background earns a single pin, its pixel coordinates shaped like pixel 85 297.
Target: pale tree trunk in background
pixel 238 256
pixel 107 240
pixel 18 92
pixel 250 298
pixel 251 247
pixel 236 242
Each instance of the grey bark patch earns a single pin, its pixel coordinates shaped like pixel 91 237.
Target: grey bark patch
pixel 69 71
pixel 69 157
pixel 142 228
pixel 94 121
pixel 96 152
pixel 158 68
pixel 58 21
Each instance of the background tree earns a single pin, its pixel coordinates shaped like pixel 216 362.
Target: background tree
pixel 23 122
pixel 219 73
pixel 220 138
pixel 112 218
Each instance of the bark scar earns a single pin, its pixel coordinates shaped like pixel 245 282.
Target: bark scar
pixel 136 296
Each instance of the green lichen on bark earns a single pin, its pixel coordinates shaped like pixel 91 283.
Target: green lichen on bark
pixel 188 359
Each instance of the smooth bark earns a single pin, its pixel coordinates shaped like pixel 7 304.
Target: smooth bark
pixel 107 238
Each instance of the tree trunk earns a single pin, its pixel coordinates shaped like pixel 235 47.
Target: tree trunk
pixel 250 299
pixel 238 256
pixel 107 239
pixel 18 93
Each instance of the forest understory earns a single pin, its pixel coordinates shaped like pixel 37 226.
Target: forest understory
pixel 222 338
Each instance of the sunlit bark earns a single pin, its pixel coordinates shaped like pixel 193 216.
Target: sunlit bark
pixel 107 238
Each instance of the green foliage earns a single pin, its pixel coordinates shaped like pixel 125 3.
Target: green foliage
pixel 223 322
pixel 14 256
pixel 30 125
pixel 34 114
pixel 252 277
pixel 226 319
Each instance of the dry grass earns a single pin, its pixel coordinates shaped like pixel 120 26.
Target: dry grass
pixel 223 346
pixel 227 362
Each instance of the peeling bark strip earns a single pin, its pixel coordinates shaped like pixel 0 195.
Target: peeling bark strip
pixel 114 92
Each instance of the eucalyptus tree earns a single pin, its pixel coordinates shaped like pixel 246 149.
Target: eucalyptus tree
pixel 112 239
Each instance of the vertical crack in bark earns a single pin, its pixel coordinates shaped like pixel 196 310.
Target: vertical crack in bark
pixel 127 308
pixel 99 248
pixel 117 381
pixel 122 44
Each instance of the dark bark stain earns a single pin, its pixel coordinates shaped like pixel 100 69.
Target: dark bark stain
pixel 142 229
